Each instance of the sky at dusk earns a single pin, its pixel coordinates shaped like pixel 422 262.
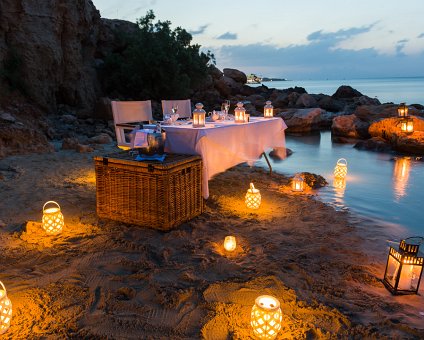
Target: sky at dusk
pixel 327 39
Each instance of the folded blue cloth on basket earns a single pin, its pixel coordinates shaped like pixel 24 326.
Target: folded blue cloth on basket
pixel 154 157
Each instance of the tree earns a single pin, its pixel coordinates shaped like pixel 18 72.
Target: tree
pixel 158 63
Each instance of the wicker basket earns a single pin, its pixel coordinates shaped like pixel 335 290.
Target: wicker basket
pixel 149 193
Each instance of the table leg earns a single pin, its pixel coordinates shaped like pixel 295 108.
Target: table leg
pixel 269 164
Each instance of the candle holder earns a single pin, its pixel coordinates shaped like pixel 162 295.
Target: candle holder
pixel 268 110
pixel 253 197
pixel 199 116
pixel 239 113
pixel 266 317
pixel 5 310
pixel 402 110
pixel 340 171
pixel 230 243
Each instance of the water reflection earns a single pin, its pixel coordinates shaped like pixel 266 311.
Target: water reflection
pixel 339 185
pixel 401 170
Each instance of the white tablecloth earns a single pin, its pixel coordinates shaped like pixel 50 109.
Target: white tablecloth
pixel 223 145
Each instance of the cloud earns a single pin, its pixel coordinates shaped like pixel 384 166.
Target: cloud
pixel 200 30
pixel 343 34
pixel 421 35
pixel 317 61
pixel 228 36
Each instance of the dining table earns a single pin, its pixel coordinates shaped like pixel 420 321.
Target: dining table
pixel 223 144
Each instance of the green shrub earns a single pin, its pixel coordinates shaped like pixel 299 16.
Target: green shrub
pixel 158 63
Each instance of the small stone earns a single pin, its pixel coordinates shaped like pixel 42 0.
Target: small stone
pixel 33 227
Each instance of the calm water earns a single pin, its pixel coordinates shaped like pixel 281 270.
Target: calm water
pixel 380 186
pixel 396 90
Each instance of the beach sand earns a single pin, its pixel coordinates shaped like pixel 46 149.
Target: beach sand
pixel 102 279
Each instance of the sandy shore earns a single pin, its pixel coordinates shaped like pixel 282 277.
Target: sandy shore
pixel 101 279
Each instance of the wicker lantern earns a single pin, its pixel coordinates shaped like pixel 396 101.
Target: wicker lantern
pixel 404 268
pixel 5 310
pixel 253 197
pixel 53 220
pixel 340 171
pixel 407 125
pixel 266 317
pixel 297 183
pixel 199 116
pixel 239 113
pixel 230 243
pixel 268 110
pixel 402 110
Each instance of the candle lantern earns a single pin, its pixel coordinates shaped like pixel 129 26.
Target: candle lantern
pixel 53 220
pixel 407 125
pixel 268 110
pixel 340 171
pixel 404 267
pixel 5 310
pixel 239 113
pixel 230 243
pixel 199 116
pixel 266 317
pixel 402 110
pixel 297 183
pixel 253 197
pixel 339 183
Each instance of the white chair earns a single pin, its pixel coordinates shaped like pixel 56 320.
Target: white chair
pixel 126 115
pixel 184 107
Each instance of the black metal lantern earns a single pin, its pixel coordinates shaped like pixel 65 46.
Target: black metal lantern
pixel 407 125
pixel 402 110
pixel 404 267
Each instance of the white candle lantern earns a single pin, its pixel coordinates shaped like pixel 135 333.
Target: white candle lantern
pixel 268 110
pixel 404 268
pixel 407 125
pixel 5 310
pixel 340 171
pixel 199 116
pixel 230 243
pixel 53 220
pixel 402 110
pixel 253 197
pixel 266 317
pixel 298 183
pixel 239 113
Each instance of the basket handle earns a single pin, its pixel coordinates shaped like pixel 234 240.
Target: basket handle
pixel 4 288
pixel 342 160
pixel 51 202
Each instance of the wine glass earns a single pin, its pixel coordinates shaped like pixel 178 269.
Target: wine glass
pixel 174 108
pixel 225 107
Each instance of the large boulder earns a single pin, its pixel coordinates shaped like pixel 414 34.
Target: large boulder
pixel 306 120
pixel 306 100
pixel 236 75
pixel 54 45
pixel 412 144
pixel 349 126
pixel 331 104
pixel 346 92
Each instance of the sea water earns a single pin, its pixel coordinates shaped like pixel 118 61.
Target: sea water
pixel 386 188
pixel 386 90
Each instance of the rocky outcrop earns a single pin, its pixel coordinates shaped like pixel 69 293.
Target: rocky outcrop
pixel 54 43
pixel 306 120
pixel 236 75
pixel 349 126
pixel 346 92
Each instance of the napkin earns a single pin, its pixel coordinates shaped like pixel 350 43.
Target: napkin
pixel 154 157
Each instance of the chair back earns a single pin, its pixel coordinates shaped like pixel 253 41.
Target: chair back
pixel 125 114
pixel 184 107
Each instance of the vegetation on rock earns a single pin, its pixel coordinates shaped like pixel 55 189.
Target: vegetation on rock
pixel 157 63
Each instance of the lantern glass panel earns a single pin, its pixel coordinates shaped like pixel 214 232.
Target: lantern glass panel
pixel 393 266
pixel 409 277
pixel 199 116
pixel 239 113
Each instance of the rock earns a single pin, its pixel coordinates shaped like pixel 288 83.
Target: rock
pixel 281 100
pixel 70 143
pixel 2 224
pixel 55 44
pixel 330 104
pixel 126 293
pixel 279 154
pixel 349 126
pixel 305 120
pixel 247 90
pixel 103 109
pixel 365 100
pixel 215 72
pixel 81 148
pixel 236 75
pixel 306 100
pixel 103 138
pixel 223 88
pixel 370 113
pixel 292 99
pixel 257 101
pixel 346 92
pixel 68 119
pixel 7 117
pixel 314 181
pixel 373 144
pixel 411 144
